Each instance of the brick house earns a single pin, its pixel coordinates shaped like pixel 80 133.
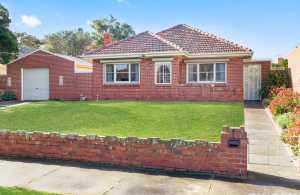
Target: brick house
pixel 179 63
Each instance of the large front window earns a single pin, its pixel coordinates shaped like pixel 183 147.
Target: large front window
pixel 163 72
pixel 122 73
pixel 206 73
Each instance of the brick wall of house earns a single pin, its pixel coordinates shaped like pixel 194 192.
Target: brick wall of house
pixel 2 82
pixel 178 90
pixel 179 155
pixel 74 84
pixel 92 85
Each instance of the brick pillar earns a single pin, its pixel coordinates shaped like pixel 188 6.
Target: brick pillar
pixel 234 142
pixel 96 80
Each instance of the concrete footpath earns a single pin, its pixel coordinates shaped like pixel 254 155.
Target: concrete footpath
pixel 271 172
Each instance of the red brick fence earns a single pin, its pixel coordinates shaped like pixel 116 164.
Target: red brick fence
pixel 229 157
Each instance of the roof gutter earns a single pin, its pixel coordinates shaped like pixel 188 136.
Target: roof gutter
pixel 167 54
pixel 133 55
pixel 220 55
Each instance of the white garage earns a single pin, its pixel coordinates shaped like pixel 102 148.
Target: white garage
pixel 35 84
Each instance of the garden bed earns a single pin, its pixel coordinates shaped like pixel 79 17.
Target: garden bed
pixel 285 109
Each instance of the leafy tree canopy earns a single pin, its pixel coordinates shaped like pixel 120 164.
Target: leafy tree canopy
pixel 112 25
pixel 68 42
pixel 4 17
pixel 8 41
pixel 26 40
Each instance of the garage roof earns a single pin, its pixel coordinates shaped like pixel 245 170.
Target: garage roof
pixel 70 58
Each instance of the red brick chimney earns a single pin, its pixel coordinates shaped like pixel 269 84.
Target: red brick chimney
pixel 107 39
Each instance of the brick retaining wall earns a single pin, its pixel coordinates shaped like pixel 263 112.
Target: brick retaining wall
pixel 177 155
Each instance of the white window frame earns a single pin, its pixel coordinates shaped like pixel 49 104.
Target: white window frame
pixel 61 80
pixel 198 71
pixel 157 64
pixel 115 74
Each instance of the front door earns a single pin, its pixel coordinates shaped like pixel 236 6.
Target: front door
pixel 252 81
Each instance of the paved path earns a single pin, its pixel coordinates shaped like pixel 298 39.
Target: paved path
pixel 265 177
pixel 265 146
pixel 7 104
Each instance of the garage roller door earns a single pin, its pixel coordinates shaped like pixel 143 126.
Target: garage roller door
pixel 36 84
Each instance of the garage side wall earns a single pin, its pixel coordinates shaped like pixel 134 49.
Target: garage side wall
pixel 73 84
pixel 2 82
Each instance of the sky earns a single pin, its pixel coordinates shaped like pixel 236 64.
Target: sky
pixel 271 28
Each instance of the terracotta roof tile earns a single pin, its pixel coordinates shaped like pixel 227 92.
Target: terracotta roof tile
pixel 141 43
pixel 196 41
pixel 181 38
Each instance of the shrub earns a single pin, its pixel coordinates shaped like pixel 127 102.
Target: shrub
pixel 285 101
pixel 266 102
pixel 276 78
pixel 284 136
pixel 283 120
pixel 291 137
pixel 8 95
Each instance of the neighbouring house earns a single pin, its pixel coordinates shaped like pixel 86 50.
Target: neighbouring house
pixel 294 65
pixel 42 75
pixel 179 63
pixel 2 69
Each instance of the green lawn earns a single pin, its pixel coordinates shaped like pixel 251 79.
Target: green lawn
pixel 186 120
pixel 19 191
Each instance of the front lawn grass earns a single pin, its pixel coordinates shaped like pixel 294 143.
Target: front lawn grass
pixel 185 120
pixel 20 191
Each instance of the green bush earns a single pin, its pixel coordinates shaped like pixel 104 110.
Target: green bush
pixel 266 102
pixel 8 95
pixel 276 78
pixel 284 136
pixel 283 120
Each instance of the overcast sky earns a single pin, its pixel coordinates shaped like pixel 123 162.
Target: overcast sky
pixel 270 27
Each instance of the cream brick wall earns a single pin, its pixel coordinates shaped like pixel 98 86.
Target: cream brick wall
pixel 294 64
pixel 2 69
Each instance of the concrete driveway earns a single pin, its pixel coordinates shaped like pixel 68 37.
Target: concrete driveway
pixel 8 104
pixel 78 178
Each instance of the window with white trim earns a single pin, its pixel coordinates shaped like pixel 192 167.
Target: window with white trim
pixel 163 72
pixel 206 73
pixel 122 73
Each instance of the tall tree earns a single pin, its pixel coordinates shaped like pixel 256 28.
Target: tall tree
pixel 26 40
pixel 112 25
pixel 68 42
pixel 8 41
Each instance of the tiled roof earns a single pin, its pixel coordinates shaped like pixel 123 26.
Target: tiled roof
pixel 180 38
pixel 141 43
pixel 196 41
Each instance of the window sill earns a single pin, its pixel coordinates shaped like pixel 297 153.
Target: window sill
pixel 215 84
pixel 163 84
pixel 121 84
